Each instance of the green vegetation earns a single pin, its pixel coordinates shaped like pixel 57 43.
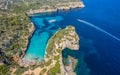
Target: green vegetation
pixel 5 64
pixel 4 70
pixel 32 67
pixel 21 6
pixel 14 32
pixel 40 74
pixel 43 70
pixel 41 65
pixel 20 70
pixel 13 36
pixel 55 70
pixel 58 50
pixel 48 63
pixel 13 29
pixel 55 53
pixel 57 57
pixel 60 33
pixel 57 38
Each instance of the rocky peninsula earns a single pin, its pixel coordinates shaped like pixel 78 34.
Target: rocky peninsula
pixel 64 38
pixel 53 62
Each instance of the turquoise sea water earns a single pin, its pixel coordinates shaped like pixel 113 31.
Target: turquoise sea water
pixel 98 26
pixel 41 35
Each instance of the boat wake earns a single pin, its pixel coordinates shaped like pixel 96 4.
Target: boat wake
pixel 98 28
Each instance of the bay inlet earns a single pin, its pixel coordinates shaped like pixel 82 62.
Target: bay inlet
pixel 44 29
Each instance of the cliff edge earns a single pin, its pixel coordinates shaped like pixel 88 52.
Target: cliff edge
pixel 64 38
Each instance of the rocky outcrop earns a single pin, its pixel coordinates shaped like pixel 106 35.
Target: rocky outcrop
pixel 69 68
pixel 64 38
pixel 70 40
pixel 59 6
pixel 22 62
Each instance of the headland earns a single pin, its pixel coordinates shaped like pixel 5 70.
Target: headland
pixel 56 7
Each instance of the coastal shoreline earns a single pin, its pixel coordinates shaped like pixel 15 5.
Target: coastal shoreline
pixel 57 47
pixel 57 7
pixel 31 31
pixel 70 41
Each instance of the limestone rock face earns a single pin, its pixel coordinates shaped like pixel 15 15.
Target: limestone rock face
pixel 70 39
pixel 64 38
pixel 70 67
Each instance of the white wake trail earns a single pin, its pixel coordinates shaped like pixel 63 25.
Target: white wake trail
pixel 96 27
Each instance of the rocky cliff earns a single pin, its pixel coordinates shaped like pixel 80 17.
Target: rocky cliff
pixel 64 38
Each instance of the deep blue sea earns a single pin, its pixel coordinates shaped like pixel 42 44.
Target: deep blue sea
pixel 98 26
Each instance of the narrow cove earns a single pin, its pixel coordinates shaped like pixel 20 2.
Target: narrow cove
pixel 44 29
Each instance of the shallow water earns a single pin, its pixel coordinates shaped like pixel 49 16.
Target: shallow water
pixel 99 53
pixel 44 30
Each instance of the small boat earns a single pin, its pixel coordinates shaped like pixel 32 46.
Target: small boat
pixel 53 20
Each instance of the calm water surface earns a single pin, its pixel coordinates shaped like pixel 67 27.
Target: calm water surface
pixel 99 53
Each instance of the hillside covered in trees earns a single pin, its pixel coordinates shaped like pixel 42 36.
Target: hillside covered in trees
pixel 15 29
